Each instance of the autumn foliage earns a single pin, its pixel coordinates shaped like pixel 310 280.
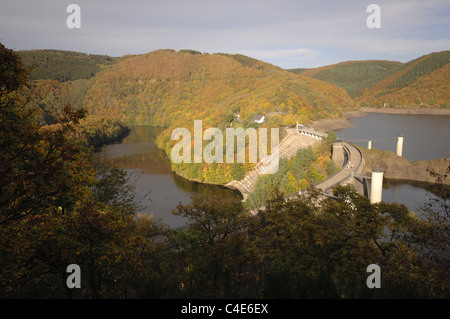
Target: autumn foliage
pixel 422 82
pixel 59 205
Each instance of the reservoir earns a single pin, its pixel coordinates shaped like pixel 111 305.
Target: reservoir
pixel 149 170
pixel 426 137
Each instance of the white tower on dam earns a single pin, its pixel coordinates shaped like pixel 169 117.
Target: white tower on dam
pixel 376 187
pixel 400 145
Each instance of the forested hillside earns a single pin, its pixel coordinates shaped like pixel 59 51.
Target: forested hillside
pixel 69 219
pixel 62 65
pixel 167 88
pixel 354 76
pixel 172 89
pixel 422 82
pixel 62 78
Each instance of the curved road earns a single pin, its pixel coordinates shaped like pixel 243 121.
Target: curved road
pixel 353 166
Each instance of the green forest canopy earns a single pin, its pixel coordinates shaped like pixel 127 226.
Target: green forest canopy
pixel 63 65
pixel 356 76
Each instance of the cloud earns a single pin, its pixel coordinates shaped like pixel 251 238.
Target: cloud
pixel 288 33
pixel 284 53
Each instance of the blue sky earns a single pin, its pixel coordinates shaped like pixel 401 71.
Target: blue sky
pixel 287 33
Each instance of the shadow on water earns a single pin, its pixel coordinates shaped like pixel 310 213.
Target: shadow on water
pixel 150 171
pixel 439 190
pixel 414 195
pixel 206 189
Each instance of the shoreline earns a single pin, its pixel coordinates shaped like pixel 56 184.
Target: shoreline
pixel 399 168
pixel 391 110
pixel 327 125
pixel 395 167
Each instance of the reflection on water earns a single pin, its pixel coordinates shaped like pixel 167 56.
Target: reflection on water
pixel 150 171
pixel 426 137
pixel 415 195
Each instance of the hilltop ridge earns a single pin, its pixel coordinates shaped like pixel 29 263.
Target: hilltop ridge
pixel 63 65
pixel 171 89
pixel 160 85
pixel 422 82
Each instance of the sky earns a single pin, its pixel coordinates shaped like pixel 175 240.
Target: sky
pixel 286 33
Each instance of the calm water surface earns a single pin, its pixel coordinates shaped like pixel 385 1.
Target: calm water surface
pixel 426 137
pixel 150 171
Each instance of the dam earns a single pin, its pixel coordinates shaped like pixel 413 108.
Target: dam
pixel 348 158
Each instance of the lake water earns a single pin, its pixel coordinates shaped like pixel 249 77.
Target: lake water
pixel 426 137
pixel 150 171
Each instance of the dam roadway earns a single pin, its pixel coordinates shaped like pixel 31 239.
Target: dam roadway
pixel 350 173
pixel 351 164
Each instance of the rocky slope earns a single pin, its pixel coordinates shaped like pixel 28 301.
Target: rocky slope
pixel 397 167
